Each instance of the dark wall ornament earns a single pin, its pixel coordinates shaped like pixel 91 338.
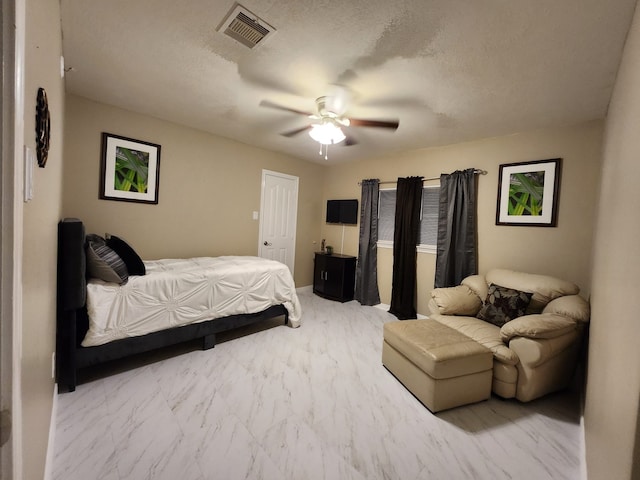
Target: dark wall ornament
pixel 43 127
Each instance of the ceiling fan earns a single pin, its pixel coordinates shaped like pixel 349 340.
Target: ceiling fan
pixel 328 121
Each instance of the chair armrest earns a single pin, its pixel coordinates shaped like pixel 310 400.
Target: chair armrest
pixel 572 306
pixel 533 352
pixel 543 325
pixel 478 284
pixel 460 300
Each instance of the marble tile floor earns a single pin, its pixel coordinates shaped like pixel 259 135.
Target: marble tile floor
pixel 301 404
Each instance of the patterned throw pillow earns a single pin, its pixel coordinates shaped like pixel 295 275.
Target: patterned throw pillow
pixel 105 264
pixel 503 305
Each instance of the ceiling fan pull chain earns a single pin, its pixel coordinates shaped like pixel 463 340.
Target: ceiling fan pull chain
pixel 326 151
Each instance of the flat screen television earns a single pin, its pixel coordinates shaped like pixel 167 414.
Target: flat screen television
pixel 342 211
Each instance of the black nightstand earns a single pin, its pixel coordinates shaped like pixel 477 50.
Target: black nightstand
pixel 334 276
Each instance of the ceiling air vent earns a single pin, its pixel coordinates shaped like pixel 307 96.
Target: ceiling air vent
pixel 245 27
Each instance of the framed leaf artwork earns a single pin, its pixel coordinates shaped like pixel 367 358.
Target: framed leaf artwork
pixel 130 169
pixel 528 193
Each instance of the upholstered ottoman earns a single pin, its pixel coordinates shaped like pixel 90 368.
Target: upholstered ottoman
pixel 440 366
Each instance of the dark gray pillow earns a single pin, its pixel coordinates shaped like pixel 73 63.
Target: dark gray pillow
pixel 503 305
pixel 132 260
pixel 105 264
pixel 95 239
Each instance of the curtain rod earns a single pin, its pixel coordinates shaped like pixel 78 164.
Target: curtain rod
pixel 476 171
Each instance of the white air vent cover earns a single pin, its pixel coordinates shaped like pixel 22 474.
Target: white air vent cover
pixel 246 27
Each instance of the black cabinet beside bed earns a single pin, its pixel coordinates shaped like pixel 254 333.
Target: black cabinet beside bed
pixel 334 276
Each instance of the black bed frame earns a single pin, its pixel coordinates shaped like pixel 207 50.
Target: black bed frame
pixel 73 323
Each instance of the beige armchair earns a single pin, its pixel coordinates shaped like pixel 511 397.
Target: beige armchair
pixel 533 354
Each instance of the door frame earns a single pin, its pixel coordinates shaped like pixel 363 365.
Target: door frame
pixel 11 220
pixel 262 202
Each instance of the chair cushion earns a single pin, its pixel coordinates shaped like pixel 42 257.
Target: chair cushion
pixel 482 332
pixel 543 287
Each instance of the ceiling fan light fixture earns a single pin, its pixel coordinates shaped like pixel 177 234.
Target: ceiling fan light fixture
pixel 329 119
pixel 326 133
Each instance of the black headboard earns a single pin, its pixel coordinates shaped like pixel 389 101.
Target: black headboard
pixel 72 265
pixel 72 295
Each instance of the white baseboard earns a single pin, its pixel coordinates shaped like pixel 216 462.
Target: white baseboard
pixel 385 307
pixel 381 306
pixel 48 466
pixel 583 450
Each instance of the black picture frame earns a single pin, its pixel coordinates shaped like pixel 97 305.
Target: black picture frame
pixel 129 170
pixel 528 193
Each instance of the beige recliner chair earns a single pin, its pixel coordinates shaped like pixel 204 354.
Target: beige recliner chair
pixel 534 354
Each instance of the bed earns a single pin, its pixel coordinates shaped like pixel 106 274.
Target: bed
pixel 175 301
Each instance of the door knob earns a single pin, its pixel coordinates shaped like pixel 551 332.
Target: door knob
pixel 266 244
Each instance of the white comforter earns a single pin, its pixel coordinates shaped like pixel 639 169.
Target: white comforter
pixel 181 291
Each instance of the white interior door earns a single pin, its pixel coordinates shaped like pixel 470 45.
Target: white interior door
pixel 278 217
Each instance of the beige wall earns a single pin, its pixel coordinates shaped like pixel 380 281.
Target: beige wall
pixel 203 211
pixel 563 251
pixel 613 376
pixel 43 49
pixel 209 187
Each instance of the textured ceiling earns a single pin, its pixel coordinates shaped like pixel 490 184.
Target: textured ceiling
pixel 449 70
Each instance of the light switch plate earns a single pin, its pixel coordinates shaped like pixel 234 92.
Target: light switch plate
pixel 29 162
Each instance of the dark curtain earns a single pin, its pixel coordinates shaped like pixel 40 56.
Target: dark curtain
pixel 457 229
pixel 405 239
pixel 367 268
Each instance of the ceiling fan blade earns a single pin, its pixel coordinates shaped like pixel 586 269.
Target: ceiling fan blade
pixel 291 133
pixel 267 103
pixel 358 122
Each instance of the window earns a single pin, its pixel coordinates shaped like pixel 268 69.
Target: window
pixel 428 219
pixel 386 215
